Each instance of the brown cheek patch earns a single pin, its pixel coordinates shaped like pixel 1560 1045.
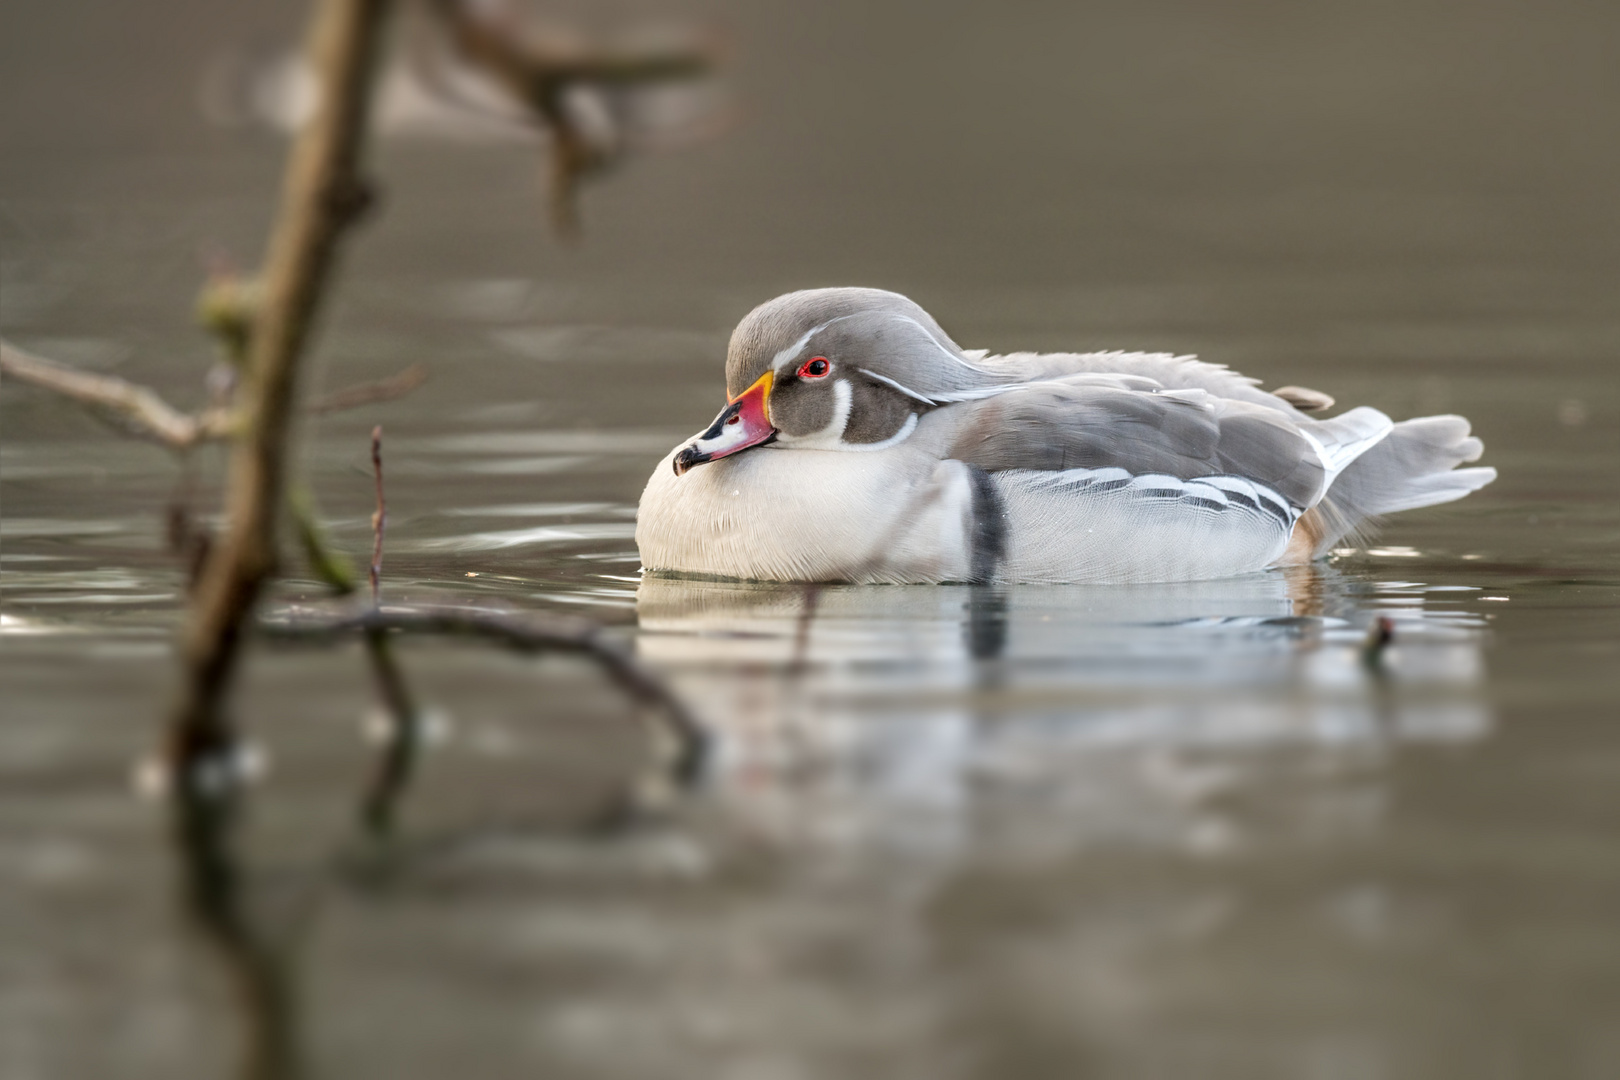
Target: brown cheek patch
pixel 876 413
pixel 799 408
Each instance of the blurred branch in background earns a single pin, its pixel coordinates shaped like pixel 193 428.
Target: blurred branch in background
pixel 489 70
pixel 563 87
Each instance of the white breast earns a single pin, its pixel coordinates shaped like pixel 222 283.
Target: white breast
pixel 901 515
pixel 810 515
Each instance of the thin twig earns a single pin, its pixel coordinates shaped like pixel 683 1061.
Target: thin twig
pixel 371 393
pixel 402 742
pixel 142 412
pixel 529 633
pixel 139 410
pixel 379 517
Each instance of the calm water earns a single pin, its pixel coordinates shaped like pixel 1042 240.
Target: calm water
pixel 1172 831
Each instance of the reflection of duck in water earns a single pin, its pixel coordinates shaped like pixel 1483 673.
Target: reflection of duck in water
pixel 837 707
pixel 879 450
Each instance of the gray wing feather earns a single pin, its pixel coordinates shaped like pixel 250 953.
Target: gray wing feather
pixel 1168 370
pixel 1186 433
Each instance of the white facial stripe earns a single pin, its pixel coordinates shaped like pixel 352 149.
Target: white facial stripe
pixel 830 437
pixel 791 353
pixel 890 382
pixel 786 356
pixel 1118 382
pixel 932 340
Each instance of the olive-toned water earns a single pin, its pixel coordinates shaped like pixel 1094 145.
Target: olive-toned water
pixel 1168 831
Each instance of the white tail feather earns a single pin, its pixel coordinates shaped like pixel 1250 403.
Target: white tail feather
pixel 1414 465
pixel 1343 439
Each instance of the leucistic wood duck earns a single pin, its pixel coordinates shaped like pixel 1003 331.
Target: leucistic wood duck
pixel 860 443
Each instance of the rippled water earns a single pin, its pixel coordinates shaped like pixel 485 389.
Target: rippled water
pixel 949 831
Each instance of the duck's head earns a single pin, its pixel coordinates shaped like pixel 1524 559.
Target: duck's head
pixel 832 369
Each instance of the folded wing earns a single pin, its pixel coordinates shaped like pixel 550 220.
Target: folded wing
pixel 1143 428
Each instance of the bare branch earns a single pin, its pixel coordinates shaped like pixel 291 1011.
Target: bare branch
pixel 402 743
pixel 323 194
pixel 137 409
pixel 530 633
pixel 372 393
pixel 142 412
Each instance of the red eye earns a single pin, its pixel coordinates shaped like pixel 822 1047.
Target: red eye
pixel 814 368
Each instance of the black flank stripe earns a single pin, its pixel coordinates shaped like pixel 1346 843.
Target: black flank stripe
pixel 989 536
pixel 1278 512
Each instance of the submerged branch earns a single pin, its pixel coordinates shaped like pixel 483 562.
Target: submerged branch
pixel 402 741
pixel 529 633
pixel 257 966
pixel 379 802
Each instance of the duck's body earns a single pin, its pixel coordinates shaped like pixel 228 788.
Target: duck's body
pixel 861 444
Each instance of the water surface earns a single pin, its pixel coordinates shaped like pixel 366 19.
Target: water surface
pixel 949 831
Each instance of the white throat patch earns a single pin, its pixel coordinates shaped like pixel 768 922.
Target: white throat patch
pixel 893 440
